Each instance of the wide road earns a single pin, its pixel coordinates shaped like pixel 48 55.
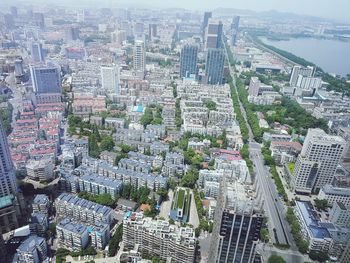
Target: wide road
pixel 274 208
pixel 273 204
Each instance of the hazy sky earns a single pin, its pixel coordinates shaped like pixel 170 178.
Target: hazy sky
pixel 336 9
pixel 326 8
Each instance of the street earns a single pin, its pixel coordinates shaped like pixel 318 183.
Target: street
pixel 274 208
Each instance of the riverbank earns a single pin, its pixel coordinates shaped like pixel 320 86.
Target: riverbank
pixel 336 84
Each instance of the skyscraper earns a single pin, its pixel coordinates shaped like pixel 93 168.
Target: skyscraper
pixel 237 224
pixel 19 67
pixel 213 34
pixel 45 79
pixel 111 78
pixel 318 161
pixel 207 16
pixel 234 29
pixel 7 171
pixel 152 31
pixel 188 60
pixel 214 66
pixel 36 51
pixel 139 56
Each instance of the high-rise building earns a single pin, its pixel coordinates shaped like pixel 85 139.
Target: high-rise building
pixel 188 60
pixel 213 34
pixel 159 238
pixel 214 66
pixel 152 31
pixel 207 16
pixel 234 29
pixel 318 161
pixel 45 79
pixel 7 172
pixel 38 19
pixel 111 78
pixel 36 52
pixel 9 21
pixel 237 224
pixel 72 33
pixel 139 56
pixel 19 68
pixel 14 11
pixel 299 70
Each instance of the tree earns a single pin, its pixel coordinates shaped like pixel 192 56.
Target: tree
pixel 321 204
pixel 211 105
pixel 264 235
pixel 276 259
pixel 94 150
pixel 113 245
pixel 107 143
pixel 190 178
pixel 163 193
pixel 320 256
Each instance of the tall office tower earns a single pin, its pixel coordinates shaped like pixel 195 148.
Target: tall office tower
pixel 111 78
pixel 14 11
pixel 139 56
pixel 19 68
pixel 318 161
pixel 9 21
pixel 152 31
pixel 207 16
pixel 234 29
pixel 45 79
pixel 7 170
pixel 213 34
pixel 36 52
pixel 81 16
pixel 188 60
pixel 72 33
pixel 237 224
pixel 38 19
pixel 214 66
pixel 298 70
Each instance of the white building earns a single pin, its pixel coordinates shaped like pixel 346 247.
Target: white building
pixel 111 78
pixel 318 161
pixel 335 194
pixel 298 70
pixel 340 215
pixel 40 170
pixel 159 238
pixel 71 235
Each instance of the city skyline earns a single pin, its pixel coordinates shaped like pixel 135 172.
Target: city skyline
pixel 337 11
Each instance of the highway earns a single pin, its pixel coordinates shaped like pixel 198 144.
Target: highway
pixel 274 208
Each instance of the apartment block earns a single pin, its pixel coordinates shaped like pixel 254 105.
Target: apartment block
pixel 72 235
pixel 78 209
pixel 159 238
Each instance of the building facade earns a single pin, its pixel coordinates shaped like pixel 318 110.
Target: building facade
pixel 214 66
pixel 159 238
pixel 188 61
pixel 45 79
pixel 318 161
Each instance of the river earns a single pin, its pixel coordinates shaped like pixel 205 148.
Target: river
pixel 332 56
